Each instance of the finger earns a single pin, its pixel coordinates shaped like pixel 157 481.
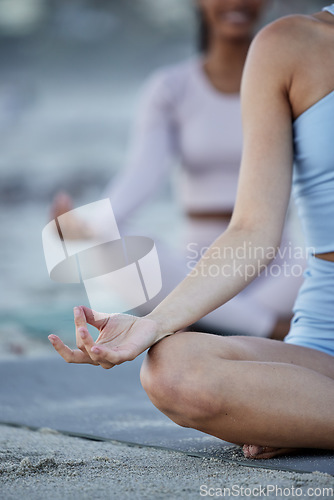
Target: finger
pixel 102 357
pixel 69 355
pixel 106 365
pixel 114 356
pixel 80 322
pixel 95 318
pixel 79 318
pixel 93 351
pixel 86 339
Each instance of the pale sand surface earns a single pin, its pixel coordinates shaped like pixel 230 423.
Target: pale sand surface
pixel 47 465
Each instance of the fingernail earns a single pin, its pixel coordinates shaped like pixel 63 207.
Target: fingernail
pixel 52 338
pixel 82 333
pixel 76 311
pixel 96 350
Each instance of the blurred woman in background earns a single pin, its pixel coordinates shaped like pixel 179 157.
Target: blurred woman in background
pixel 191 113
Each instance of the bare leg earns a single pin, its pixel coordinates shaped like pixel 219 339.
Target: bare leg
pixel 279 332
pixel 244 390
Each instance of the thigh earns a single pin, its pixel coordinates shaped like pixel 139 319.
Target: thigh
pixel 240 348
pixel 243 315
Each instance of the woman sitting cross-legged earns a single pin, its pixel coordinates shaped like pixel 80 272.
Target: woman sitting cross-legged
pixel 269 396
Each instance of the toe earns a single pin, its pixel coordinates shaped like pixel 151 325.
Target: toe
pixel 265 452
pixel 252 451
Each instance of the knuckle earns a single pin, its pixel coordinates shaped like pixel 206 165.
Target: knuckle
pixel 95 356
pixel 107 365
pixel 69 357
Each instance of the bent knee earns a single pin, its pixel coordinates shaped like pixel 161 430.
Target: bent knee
pixel 176 375
pixel 182 355
pixel 160 371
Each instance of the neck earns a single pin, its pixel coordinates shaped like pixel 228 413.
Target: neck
pixel 227 54
pixel 224 63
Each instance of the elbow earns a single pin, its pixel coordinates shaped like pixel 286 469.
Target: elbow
pixel 263 237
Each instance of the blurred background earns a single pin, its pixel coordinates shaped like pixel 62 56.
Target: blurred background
pixel 71 75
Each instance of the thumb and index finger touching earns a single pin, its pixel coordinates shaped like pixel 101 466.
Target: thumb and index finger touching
pixel 61 204
pixel 84 315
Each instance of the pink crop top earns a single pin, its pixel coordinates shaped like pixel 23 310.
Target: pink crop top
pixel 183 119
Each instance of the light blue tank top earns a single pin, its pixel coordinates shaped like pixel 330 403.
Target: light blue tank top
pixel 313 180
pixel 329 9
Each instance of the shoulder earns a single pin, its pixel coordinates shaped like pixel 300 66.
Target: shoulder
pixel 278 49
pixel 291 25
pixel 171 81
pixel 176 73
pixel 284 39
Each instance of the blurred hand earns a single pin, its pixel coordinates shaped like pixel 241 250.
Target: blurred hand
pixel 121 338
pixel 76 229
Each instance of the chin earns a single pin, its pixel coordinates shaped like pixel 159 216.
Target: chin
pixel 236 33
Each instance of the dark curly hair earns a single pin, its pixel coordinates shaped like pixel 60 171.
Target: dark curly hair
pixel 203 31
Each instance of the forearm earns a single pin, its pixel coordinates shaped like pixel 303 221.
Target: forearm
pixel 234 260
pixel 133 188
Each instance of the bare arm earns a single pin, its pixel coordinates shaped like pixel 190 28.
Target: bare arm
pixel 151 153
pixel 256 225
pixel 263 192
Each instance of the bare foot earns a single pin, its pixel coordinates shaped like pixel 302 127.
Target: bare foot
pixel 257 452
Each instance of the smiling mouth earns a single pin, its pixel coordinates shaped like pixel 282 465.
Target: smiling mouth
pixel 236 17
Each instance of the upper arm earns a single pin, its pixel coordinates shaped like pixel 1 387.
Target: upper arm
pixel 153 144
pixel 266 168
pixel 151 153
pixel 156 110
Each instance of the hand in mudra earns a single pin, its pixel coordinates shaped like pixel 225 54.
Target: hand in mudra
pixel 76 229
pixel 121 338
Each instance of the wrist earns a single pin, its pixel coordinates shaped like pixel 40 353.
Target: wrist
pixel 163 327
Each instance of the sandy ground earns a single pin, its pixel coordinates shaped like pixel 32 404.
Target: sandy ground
pixel 49 465
pixel 45 464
